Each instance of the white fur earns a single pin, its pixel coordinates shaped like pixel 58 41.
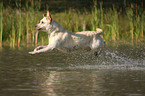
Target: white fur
pixel 66 41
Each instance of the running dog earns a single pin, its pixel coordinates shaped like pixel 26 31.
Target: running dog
pixel 66 41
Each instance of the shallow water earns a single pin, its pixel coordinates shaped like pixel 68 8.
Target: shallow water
pixel 121 72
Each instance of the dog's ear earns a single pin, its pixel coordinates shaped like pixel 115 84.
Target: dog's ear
pixel 44 15
pixel 48 16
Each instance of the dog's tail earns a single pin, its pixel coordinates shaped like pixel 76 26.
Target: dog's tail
pixel 99 31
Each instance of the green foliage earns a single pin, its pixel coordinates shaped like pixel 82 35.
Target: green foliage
pixel 1 23
pixel 17 25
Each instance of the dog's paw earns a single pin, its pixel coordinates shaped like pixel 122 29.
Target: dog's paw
pixel 33 52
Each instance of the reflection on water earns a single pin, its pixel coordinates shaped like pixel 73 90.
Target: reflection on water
pixel 119 73
pixel 92 83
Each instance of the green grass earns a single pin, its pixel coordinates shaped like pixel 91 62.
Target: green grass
pixel 17 25
pixel 1 23
pixel 131 23
pixel 13 34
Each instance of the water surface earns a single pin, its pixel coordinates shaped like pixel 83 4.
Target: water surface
pixel 121 72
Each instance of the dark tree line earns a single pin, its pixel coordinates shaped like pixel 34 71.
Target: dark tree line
pixel 60 5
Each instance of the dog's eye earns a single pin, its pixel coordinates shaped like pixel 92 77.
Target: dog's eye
pixel 42 22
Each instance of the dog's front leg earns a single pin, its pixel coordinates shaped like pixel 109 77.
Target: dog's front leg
pixel 47 48
pixel 39 47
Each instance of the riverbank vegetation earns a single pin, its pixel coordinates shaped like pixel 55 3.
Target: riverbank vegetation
pixel 17 24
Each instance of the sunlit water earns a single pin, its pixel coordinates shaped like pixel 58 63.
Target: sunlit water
pixel 120 72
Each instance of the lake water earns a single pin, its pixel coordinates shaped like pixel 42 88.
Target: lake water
pixel 121 72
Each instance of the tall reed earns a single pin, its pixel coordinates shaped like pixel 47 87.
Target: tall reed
pixel 76 25
pixel 102 15
pixel 1 23
pixel 27 28
pixel 115 25
pixel 95 18
pixel 19 28
pixel 13 34
pixel 130 21
pixel 19 23
pixel 142 25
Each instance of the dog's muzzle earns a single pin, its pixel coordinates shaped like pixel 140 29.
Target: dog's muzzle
pixel 37 28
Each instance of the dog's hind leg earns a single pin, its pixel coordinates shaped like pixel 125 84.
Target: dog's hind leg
pixel 101 53
pixel 96 54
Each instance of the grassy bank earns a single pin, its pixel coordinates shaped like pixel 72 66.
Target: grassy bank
pixel 17 25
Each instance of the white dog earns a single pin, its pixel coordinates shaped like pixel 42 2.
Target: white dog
pixel 66 41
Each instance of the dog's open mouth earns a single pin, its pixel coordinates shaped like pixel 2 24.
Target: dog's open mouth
pixel 38 28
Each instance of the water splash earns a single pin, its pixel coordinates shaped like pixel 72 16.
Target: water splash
pixel 121 56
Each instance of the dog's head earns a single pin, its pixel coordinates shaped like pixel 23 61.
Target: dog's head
pixel 44 22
